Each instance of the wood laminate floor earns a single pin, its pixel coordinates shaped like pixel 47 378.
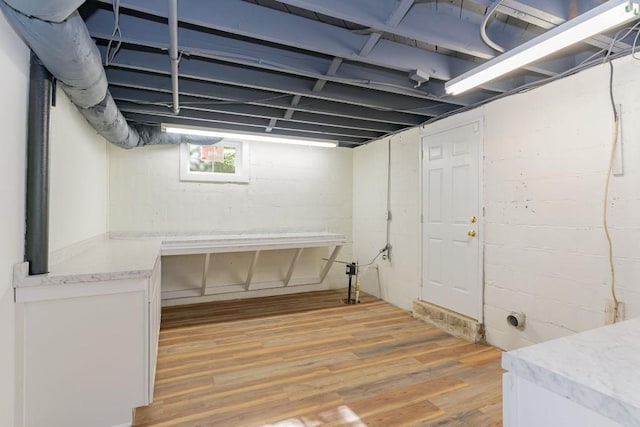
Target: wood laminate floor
pixel 308 360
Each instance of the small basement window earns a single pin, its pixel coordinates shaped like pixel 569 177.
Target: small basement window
pixel 226 161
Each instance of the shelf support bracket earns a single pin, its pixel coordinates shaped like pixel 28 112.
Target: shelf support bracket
pixel 205 270
pixel 329 263
pixel 292 267
pixel 252 269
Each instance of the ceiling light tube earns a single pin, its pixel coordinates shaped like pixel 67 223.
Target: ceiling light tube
pixel 597 20
pixel 247 136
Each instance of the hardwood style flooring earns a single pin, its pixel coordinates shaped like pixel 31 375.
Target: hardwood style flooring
pixel 308 360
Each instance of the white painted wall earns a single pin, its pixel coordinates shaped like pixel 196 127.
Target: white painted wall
pixel 292 188
pixel 14 62
pixel 546 156
pixel 547 153
pixel 398 281
pixel 79 177
pixel 78 197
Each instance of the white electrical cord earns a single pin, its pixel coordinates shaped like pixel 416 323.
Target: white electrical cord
pixel 483 27
pixel 108 58
pixel 614 145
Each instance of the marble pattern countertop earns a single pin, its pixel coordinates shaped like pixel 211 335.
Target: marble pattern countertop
pixel 597 369
pixel 133 255
pixel 102 260
pixel 200 243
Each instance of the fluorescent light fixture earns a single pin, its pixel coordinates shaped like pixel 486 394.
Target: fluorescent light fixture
pixel 246 136
pixel 597 20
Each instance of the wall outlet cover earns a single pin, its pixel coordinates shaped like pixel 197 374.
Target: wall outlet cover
pixel 609 312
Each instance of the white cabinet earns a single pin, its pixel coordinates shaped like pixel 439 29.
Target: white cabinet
pixel 589 379
pixel 155 307
pixel 89 341
pixel 529 405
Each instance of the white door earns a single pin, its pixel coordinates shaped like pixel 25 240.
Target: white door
pixel 451 264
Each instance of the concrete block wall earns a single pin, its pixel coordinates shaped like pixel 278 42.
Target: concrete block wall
pixel 14 86
pixel 292 189
pixel 546 154
pixel 79 177
pixel 399 278
pixel 546 157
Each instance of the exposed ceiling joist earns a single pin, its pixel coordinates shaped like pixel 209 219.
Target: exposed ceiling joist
pixel 240 127
pixel 122 78
pixel 143 32
pixel 350 71
pixel 212 71
pixel 161 101
pixel 270 25
pixel 423 24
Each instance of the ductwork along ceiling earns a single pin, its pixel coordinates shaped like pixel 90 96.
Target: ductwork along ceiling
pixel 351 71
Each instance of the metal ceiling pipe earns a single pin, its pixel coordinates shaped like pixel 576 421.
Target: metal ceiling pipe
pixel 50 10
pixel 36 251
pixel 174 56
pixel 71 56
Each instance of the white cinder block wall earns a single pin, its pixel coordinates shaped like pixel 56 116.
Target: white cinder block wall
pixel 292 188
pixel 398 279
pixel 79 177
pixel 546 156
pixel 14 62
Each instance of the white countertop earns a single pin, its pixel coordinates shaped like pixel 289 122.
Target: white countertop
pixel 133 255
pixel 598 369
pixel 198 243
pixel 103 259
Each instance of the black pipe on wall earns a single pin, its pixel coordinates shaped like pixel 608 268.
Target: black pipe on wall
pixel 37 206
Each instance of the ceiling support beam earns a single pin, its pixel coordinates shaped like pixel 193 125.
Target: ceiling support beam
pixel 399 13
pixel 274 26
pixel 263 123
pixel 394 19
pixel 294 102
pixel 423 24
pixel 333 69
pixel 238 96
pixel 371 42
pixel 271 125
pixel 197 69
pixel 145 97
pixel 150 33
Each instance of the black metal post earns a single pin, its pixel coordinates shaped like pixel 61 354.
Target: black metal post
pixel 352 270
pixel 37 203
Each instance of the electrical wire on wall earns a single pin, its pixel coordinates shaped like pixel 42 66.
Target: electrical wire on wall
pixel 614 146
pixel 387 247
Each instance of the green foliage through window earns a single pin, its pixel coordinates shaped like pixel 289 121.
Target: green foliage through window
pixel 216 158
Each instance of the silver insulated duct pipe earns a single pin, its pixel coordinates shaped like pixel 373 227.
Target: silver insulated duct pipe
pixel 56 33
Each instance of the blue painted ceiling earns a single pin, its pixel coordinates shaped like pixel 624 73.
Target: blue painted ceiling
pixel 327 69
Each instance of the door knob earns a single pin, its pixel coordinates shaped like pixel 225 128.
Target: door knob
pixel 474 219
pixel 472 233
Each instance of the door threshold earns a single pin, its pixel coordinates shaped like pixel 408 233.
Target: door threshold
pixel 449 321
